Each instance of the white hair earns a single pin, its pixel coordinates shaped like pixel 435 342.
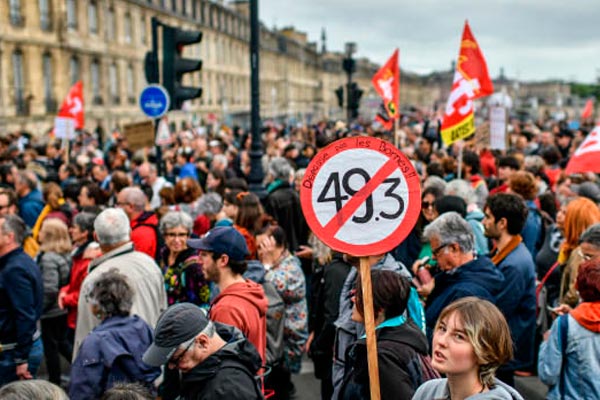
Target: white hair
pixel 462 189
pixel 112 226
pixel 451 228
pixel 135 197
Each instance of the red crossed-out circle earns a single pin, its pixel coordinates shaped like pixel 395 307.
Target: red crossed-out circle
pixel 396 161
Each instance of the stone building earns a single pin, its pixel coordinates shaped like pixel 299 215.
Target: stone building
pixel 47 45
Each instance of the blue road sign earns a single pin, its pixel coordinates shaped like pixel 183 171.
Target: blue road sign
pixel 154 101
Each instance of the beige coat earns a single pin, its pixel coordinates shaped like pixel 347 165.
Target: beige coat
pixel 150 298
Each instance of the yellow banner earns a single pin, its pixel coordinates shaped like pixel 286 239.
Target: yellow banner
pixel 459 131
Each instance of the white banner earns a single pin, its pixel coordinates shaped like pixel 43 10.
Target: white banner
pixel 498 128
pixel 64 128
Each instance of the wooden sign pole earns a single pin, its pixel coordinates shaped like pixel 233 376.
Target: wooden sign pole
pixel 367 295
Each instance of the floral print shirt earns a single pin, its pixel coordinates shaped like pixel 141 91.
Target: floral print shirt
pixel 184 280
pixel 288 279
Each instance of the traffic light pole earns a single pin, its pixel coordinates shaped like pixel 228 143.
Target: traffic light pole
pixel 256 176
pixel 349 98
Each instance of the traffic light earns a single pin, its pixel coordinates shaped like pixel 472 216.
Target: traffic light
pixel 354 96
pixel 174 65
pixel 339 93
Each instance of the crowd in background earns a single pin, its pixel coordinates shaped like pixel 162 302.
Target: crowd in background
pixel 104 248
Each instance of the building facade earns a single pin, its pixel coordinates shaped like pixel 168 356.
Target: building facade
pixel 47 45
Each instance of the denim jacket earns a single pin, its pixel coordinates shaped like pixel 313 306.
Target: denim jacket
pixel 582 363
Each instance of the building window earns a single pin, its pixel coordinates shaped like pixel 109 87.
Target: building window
pixel 19 83
pixel 113 80
pixel 194 9
pixel 110 24
pixel 74 69
pixel 130 85
pixel 95 76
pixel 16 18
pixel 72 14
pixel 174 5
pixel 93 17
pixel 48 84
pixel 184 7
pixel 127 24
pixel 143 29
pixel 45 18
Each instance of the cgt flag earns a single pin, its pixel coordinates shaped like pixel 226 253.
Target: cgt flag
pixel 387 85
pixel 383 118
pixel 71 115
pixel 585 158
pixel 471 81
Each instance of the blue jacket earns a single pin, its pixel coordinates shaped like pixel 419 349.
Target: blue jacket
pixel 30 207
pixel 532 230
pixel 478 277
pixel 579 378
pixel 21 301
pixel 518 304
pixel 188 170
pixel 112 353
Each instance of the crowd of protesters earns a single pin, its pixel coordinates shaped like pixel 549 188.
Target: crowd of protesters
pixel 168 277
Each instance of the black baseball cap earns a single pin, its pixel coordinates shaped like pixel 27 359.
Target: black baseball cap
pixel 222 240
pixel 177 325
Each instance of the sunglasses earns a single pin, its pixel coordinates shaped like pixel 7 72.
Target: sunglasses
pixel 427 204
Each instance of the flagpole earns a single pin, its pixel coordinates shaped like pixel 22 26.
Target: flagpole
pixel 396 128
pixel 460 158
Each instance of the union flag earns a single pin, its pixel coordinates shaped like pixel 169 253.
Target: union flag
pixel 471 81
pixel 387 84
pixel 72 106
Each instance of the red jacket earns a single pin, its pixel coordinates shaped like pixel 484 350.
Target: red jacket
pixel 79 271
pixel 143 233
pixel 244 305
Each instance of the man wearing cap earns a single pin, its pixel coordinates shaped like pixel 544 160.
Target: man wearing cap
pixel 241 303
pixel 216 361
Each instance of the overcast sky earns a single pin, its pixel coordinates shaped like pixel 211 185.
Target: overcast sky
pixel 531 39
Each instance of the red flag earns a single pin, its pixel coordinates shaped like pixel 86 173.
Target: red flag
pixel 588 109
pixel 585 158
pixel 387 84
pixel 471 81
pixel 72 106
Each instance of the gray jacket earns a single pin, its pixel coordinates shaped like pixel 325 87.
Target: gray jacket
pixel 437 389
pixel 55 269
pixel 347 331
pixel 142 273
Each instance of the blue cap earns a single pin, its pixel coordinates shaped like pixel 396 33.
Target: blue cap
pixel 222 240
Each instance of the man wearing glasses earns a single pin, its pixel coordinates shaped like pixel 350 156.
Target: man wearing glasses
pixel 216 360
pixel 505 216
pixel 462 273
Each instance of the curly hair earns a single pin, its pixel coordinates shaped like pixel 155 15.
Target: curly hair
pixel 523 183
pixel 112 294
pixel 187 190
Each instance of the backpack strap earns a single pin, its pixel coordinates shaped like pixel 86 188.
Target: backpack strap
pixel 545 278
pixel 563 329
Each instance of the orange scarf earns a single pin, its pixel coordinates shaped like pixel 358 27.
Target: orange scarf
pixel 588 315
pixel 500 254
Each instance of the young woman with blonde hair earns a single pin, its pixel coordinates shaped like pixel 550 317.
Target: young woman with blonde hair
pixel 54 260
pixel 471 340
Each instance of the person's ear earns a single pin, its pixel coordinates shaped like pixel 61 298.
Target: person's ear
pixel 95 236
pixel 202 341
pixel 502 224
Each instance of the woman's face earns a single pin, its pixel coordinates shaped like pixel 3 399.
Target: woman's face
pixel 176 239
pixel 77 235
pixel 428 208
pixel 453 353
pixel 84 199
